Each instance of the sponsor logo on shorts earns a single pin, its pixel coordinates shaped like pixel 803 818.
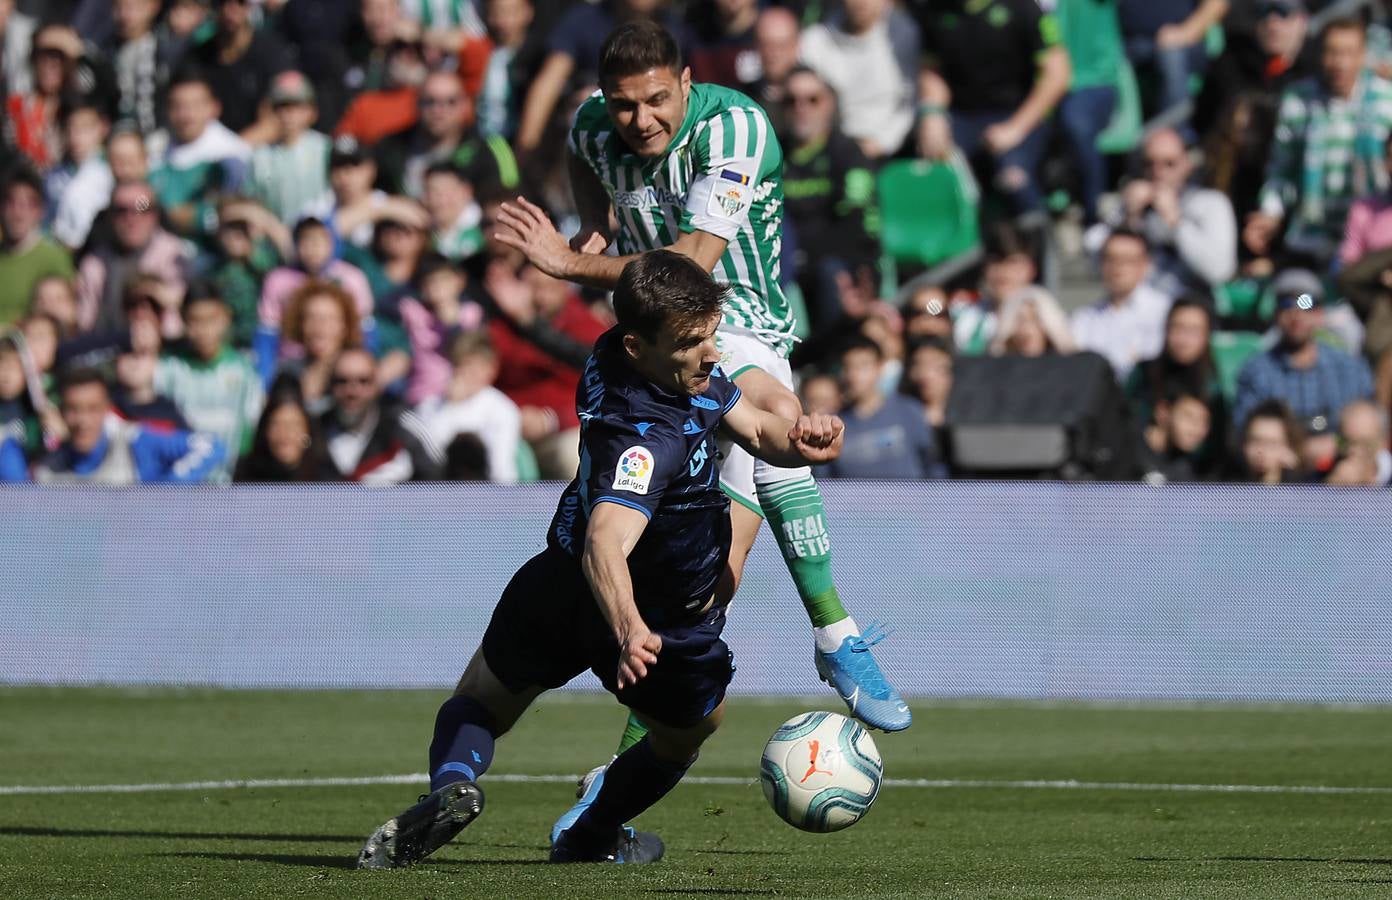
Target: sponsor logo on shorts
pixel 635 470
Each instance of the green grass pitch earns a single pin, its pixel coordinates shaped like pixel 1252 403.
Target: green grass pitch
pixel 993 840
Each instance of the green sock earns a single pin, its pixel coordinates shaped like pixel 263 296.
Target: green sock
pixel 794 512
pixel 633 733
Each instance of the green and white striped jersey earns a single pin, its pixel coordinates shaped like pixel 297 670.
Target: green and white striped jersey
pixel 722 174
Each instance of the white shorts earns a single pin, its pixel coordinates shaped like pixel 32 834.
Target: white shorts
pixel 740 351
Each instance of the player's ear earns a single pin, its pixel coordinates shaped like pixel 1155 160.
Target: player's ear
pixel 631 346
pixel 686 81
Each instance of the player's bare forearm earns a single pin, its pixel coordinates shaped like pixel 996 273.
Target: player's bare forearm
pixel 591 201
pixel 525 226
pixel 811 440
pixel 611 535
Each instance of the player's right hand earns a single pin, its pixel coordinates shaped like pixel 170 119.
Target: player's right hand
pixel 818 438
pixel 638 650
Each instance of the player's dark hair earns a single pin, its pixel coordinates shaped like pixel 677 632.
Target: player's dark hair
pixel 665 288
pixel 635 47
pixel 80 376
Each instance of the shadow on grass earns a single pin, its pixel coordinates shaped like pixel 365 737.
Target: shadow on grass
pixel 357 839
pixel 715 892
pixel 1374 861
pixel 321 861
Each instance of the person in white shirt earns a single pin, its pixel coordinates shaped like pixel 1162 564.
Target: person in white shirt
pixel 1128 324
pixel 472 405
pixel 80 186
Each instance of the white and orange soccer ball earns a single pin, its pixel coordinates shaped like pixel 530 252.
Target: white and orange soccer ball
pixel 821 771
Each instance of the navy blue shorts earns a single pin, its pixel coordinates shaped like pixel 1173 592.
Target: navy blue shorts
pixel 548 628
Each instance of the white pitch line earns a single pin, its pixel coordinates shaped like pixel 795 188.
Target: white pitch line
pixel 938 783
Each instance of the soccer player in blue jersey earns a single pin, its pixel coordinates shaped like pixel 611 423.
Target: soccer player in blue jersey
pixel 696 168
pixel 630 583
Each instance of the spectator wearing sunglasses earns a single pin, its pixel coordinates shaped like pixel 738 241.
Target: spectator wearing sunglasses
pixel 372 441
pixel 137 246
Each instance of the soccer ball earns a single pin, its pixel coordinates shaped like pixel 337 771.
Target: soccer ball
pixel 821 771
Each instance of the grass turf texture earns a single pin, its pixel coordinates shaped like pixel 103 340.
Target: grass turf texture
pixel 722 839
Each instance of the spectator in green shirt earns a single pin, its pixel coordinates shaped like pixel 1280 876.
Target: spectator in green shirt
pixel 26 256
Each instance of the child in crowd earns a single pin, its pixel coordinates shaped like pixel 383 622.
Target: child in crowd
pixel 431 322
pixel 291 172
pixel 471 405
pixel 80 186
pixel 1171 445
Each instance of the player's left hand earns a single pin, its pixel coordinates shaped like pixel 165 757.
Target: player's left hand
pixel 818 437
pixel 638 650
pixel 526 226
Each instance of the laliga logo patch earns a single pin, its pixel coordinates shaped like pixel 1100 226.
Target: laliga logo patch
pixel 634 471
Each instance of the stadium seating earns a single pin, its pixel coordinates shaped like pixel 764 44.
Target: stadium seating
pixel 929 215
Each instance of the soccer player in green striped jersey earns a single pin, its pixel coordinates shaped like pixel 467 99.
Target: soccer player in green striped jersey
pixel 696 168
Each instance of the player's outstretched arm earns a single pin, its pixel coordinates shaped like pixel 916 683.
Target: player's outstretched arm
pixel 525 226
pixel 612 534
pixel 811 440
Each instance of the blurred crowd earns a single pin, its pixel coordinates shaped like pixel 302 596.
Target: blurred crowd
pixel 252 240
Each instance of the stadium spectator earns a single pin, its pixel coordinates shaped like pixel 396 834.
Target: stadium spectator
pixel 394 106
pixel 19 410
pixel 14 463
pixel 1191 230
pixel 829 191
pixel 472 405
pixel 56 297
pixel 136 400
pixel 1257 68
pixel 26 256
pixel 239 62
pixel 1171 445
pixel 1032 323
pixel 1128 324
pixel 143 57
pixel 1185 365
pixel 1092 38
pixel 1010 267
pixel 137 246
pixel 871 70
pixel 432 317
pixel 126 156
pixel 314 261
pixel 196 158
pixel 441 25
pixel 289 445
pixel 455 215
pixel 778 39
pixel 31 125
pixel 928 378
pixel 887 435
pixel 1270 445
pixel 515 56
pixel 79 186
pixel 993 114
pixel 399 241
pixel 16 40
pixel 723 45
pixel 927 313
pixel 1167 40
pixel 443 134
pixel 1328 151
pixel 139 329
pixel 322 318
pixel 821 394
pixel 102 449
pixel 573 58
pixel 380 31
pixel 247 246
pixel 42 335
pixel 1366 258
pixel 1365 460
pixel 354 206
pixel 372 441
pixel 214 386
pixel 1313 380
pixel 290 171
pixel 542 382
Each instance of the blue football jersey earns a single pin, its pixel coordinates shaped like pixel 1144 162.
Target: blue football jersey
pixel 652 450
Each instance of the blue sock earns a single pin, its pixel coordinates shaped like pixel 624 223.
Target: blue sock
pixel 632 783
pixel 463 744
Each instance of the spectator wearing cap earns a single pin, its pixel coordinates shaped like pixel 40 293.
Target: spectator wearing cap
pixel 26 255
pixel 443 134
pixel 1191 230
pixel 137 246
pixel 887 435
pixel 394 105
pixel 79 187
pixel 829 197
pixel 871 70
pixel 1365 460
pixel 240 62
pixel 993 114
pixel 1316 381
pixel 1328 150
pixel 1128 324
pixel 510 56
pixel 292 170
pixel 196 159
pixel 1166 40
pixel 102 449
pixel 214 386
pixel 371 440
